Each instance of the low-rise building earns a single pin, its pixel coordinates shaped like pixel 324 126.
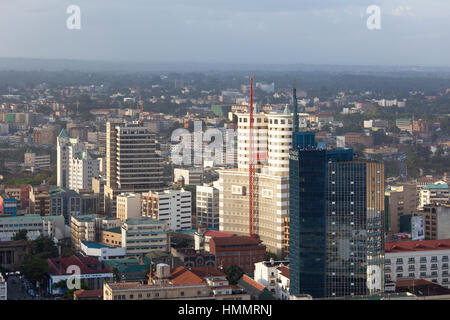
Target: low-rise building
pixel 88 269
pixel 142 235
pixel 274 275
pixel 35 225
pixel 180 284
pixel 101 251
pixel 426 259
pixel 242 251
pixel 8 205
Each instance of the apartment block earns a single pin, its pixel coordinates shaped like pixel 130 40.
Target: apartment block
pixel 128 205
pixel 171 206
pixel 207 206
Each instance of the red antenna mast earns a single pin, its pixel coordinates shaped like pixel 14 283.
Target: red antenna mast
pixel 251 169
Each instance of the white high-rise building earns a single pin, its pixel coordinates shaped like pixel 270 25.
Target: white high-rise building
pixel 75 166
pixel 272 140
pixel 207 204
pixel 172 206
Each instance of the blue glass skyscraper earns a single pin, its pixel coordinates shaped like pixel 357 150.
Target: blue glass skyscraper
pixel 336 224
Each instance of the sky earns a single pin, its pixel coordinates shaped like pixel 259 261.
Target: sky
pixel 413 32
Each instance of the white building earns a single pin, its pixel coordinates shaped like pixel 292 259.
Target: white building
pixel 128 205
pixel 272 140
pixel 36 226
pixel 433 193
pixel 426 259
pixel 207 204
pixel 101 251
pixel 171 206
pixel 274 275
pixel 75 167
pixel 143 235
pixel 3 288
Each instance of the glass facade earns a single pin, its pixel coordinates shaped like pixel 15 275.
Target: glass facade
pixel 336 224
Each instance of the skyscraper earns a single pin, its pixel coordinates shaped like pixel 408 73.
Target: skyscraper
pixel 336 221
pixel 76 168
pixel 132 164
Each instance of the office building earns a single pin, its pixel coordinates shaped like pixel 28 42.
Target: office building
pixel 143 235
pixel 8 205
pixel 31 160
pixel 75 167
pixel 40 200
pixel 132 164
pixel 433 193
pixel 190 176
pixel 128 205
pixel 400 200
pixel 3 288
pixel 272 140
pixel 207 206
pixel 171 206
pixel 65 202
pixel 35 225
pixel 336 222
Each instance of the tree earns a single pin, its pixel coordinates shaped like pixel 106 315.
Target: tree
pixel 233 273
pixel 20 235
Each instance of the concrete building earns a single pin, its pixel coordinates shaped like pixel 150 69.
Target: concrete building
pixel 22 194
pixel 89 228
pixel 75 167
pixel 132 164
pixel 128 205
pixel 426 259
pixel 433 193
pixel 404 125
pixel 8 205
pixel 400 200
pixel 31 160
pixel 272 141
pixel 191 176
pixel 180 284
pixel 40 200
pixel 171 206
pixel 98 187
pixel 3 288
pixel 35 225
pixel 443 218
pixel 12 253
pixel 65 202
pixel 274 275
pixel 100 251
pixel 242 251
pixel 207 206
pixel 143 235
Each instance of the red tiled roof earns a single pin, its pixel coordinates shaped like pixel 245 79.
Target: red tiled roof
pixel 216 234
pixel 87 265
pixel 418 245
pixel 186 277
pixel 284 271
pixel 88 293
pixel 252 282
pixel 235 240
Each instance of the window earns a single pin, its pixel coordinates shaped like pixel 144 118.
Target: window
pixel 423 259
pixel 399 260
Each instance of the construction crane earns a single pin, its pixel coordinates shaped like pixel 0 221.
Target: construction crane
pixel 251 170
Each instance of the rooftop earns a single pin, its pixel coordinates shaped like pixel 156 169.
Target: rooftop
pixel 418 245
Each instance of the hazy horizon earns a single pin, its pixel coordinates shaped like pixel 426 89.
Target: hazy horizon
pixel 261 32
